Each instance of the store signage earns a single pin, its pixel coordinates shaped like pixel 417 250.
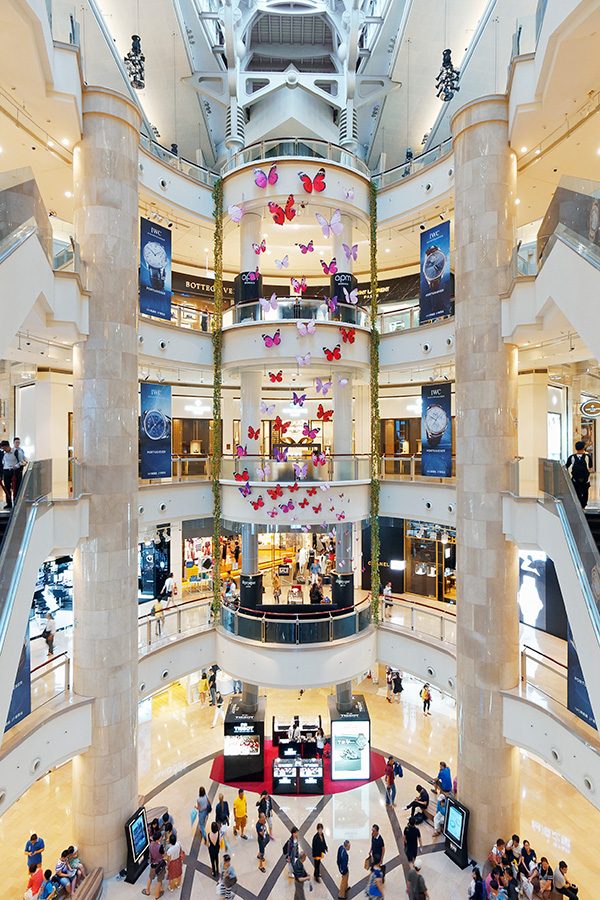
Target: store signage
pixel 590 408
pixel 20 704
pixel 578 699
pixel 155 270
pixel 435 286
pixel 195 285
pixel 436 430
pixel 155 430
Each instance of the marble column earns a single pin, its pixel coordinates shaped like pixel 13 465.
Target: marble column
pixel 105 653
pixel 250 233
pixel 486 442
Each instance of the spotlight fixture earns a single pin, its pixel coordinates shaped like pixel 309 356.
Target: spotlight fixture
pixel 446 84
pixel 135 63
pixel 169 224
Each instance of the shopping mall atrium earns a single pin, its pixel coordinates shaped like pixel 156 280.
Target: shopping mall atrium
pixel 299 391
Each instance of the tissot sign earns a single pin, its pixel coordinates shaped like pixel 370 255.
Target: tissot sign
pixel 591 409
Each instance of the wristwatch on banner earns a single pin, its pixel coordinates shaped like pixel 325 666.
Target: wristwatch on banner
pixel 436 422
pixel 433 266
pixel 156 425
pixel 155 258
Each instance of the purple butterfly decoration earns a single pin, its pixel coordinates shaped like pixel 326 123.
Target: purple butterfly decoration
pixel 241 451
pixel 280 455
pixel 287 507
pixel 301 470
pixel 245 490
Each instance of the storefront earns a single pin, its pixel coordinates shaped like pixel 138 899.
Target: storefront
pixel 154 563
pixel 400 432
pixel 430 554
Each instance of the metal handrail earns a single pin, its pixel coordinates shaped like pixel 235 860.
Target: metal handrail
pixel 411 462
pixel 338 467
pixel 145 622
pixel 49 665
pixel 418 609
pixel 297 619
pixel 284 148
pixel 300 309
pixel 190 169
pixel 397 173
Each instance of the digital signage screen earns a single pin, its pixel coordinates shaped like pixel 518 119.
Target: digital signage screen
pixel 455 824
pixel 138 834
pixel 350 750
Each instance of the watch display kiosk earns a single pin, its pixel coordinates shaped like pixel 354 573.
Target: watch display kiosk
pixel 244 743
pixel 297 776
pixel 350 741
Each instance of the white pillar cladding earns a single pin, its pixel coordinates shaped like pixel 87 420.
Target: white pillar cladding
pixel 250 233
pixel 344 466
pixel 105 638
pixel 486 442
pixel 344 264
pixel 250 416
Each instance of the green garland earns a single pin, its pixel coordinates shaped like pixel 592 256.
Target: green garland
pixel 375 426
pixel 217 342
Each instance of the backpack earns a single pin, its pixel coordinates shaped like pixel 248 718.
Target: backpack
pixel 579 469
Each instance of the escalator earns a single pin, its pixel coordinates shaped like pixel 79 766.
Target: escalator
pixel 592 517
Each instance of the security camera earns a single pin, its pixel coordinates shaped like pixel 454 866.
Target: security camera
pixel 140 510
pixel 163 184
pixel 428 504
pixel 451 507
pixel 426 347
pixel 428 187
pixel 140 338
pixel 422 226
pixel 450 340
pixel 142 686
pixel 431 671
pixel 165 674
pixel 162 507
pixel 141 167
pixel 450 172
pixel 163 345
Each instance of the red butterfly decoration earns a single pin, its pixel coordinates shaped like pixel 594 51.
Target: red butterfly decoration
pixel 330 269
pixel 275 492
pixel 279 214
pixel 276 376
pixel 303 503
pixel 241 477
pixel 327 416
pixel 317 509
pixel 348 334
pixel 253 433
pixel 280 425
pixel 316 184
pixel 293 487
pixel 311 492
pixel 341 516
pixel 336 353
pixel 258 502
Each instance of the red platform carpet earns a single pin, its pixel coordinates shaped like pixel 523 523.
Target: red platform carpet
pixel 329 786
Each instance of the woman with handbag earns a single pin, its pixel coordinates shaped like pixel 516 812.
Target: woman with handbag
pixel 204 807
pixel 214 845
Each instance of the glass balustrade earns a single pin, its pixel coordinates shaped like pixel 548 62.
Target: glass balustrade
pixel 337 467
pixel 295 308
pixel 283 148
pixel 411 167
pixel 280 627
pixel 23 213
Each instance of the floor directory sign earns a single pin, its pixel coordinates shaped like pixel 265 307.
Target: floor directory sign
pixel 435 288
pixel 20 704
pixel 436 430
pixel 155 430
pixel 578 699
pixel 155 269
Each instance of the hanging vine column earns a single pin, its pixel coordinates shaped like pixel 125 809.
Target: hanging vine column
pixel 217 339
pixel 375 427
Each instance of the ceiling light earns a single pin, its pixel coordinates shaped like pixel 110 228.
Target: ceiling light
pixel 387 249
pixel 50 143
pixel 537 151
pixel 206 249
pixel 597 151
pixel 517 201
pixel 523 149
pixel 1 150
pixel 65 142
pixel 68 194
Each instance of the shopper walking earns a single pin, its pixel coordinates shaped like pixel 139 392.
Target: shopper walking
pixel 426 698
pixel 175 857
pixel 214 842
pixel 301 876
pixel 375 885
pixel 203 688
pixel 219 711
pixel 343 868
pixel 579 464
pixel 9 467
pixel 169 589
pixel 20 467
pixel 276 582
pixel 377 847
pixel 222 820
pixel 49 632
pixel 204 808
pixel 158 614
pixel 412 840
pixel 33 851
pixel 212 686
pixel 319 849
pixel 262 835
pixel 240 814
pixel 389 777
pixel 397 687
pixel 415 883
pixel 387 600
pixel 291 850
pixel 228 879
pixel 265 805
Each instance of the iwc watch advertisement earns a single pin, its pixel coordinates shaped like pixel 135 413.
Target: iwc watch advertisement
pixel 155 431
pixel 436 430
pixel 435 289
pixel 155 270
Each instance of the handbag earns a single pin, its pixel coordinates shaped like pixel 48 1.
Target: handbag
pixel 367 862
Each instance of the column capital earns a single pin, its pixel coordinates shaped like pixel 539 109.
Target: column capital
pixel 102 101
pixel 492 108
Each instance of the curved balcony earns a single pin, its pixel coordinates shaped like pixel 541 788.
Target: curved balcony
pixel 191 170
pixel 280 627
pixel 301 148
pixel 313 308
pixel 413 166
pixel 337 467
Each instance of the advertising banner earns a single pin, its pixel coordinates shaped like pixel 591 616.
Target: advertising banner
pixel 20 704
pixel 436 430
pixel 578 700
pixel 155 269
pixel 435 288
pixel 155 430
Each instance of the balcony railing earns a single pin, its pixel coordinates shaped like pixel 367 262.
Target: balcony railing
pixel 337 467
pixel 408 468
pixel 285 148
pixel 296 628
pixel 50 679
pixel 191 170
pixel 411 167
pixel 172 624
pixel 294 309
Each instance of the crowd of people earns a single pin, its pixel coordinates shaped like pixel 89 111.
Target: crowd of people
pixel 45 884
pixel 516 873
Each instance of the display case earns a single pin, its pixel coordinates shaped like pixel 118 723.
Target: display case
pixel 309 725
pixel 243 743
pixel 350 741
pixel 285 777
pixel 310 777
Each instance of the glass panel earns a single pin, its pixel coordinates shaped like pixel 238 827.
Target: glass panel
pixel 280 632
pixel 22 212
pixel 228 619
pixel 313 631
pixel 364 618
pixel 249 627
pixel 294 309
pixel 344 626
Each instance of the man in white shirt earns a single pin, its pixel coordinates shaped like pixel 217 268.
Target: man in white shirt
pixel 20 467
pixel 302 558
pixel 10 464
pixel 168 590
